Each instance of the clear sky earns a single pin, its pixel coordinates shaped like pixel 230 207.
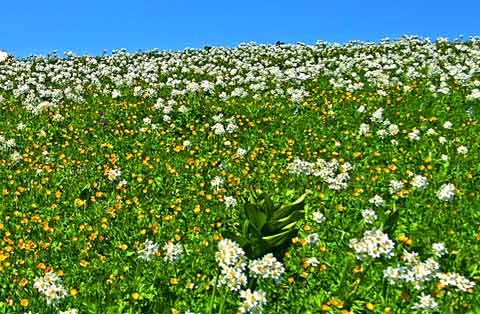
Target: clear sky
pixel 85 26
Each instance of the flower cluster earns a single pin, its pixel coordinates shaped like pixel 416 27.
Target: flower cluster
pixel 374 243
pixel 446 192
pixel 253 302
pixel 419 182
pixel 266 267
pixel 426 303
pixel 232 261
pixel 458 281
pixel 369 216
pixel 172 251
pixel 50 286
pixel 149 250
pixel 331 172
pixel 415 272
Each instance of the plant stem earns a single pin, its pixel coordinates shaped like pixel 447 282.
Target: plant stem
pixel 210 306
pixel 220 311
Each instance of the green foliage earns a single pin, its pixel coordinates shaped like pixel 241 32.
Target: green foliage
pixel 266 227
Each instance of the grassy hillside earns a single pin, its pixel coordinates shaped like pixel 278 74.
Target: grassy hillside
pixel 133 183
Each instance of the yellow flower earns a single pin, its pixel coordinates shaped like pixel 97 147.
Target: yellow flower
pixel 370 306
pixel 24 302
pixel 79 203
pixel 135 296
pixel 83 263
pixel 179 148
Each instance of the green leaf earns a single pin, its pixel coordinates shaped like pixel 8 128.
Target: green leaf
pixel 278 239
pixel 256 217
pixel 287 209
pixel 291 220
pixel 268 205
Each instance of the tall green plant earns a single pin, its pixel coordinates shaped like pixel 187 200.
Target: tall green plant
pixel 266 227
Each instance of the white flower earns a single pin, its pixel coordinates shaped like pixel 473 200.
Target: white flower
pixel 382 133
pixel 446 192
pixel 456 280
pixel 230 201
pixel 377 200
pixel 218 118
pixel 232 277
pixel 167 109
pixel 364 129
pixel 116 94
pixel 420 182
pixel 312 239
pixel 374 243
pixel 149 250
pixel 50 286
pixel 218 129
pixel 313 261
pixel 439 249
pixel 426 303
pixel 231 127
pixel 475 95
pixel 173 251
pixel 442 140
pixel 10 143
pixel 241 152
pixel 410 257
pixel 447 125
pixel 217 182
pixel 393 274
pixel 369 216
pixel 414 135
pixel 230 254
pixel 253 302
pixel 361 109
pixel 266 267
pixel 21 126
pixel 393 129
pixel 318 217
pixel 183 109
pixel 431 132
pixel 395 186
pixel 463 150
pixel 16 156
pixel 114 174
pixel 444 157
pixel 3 56
pixel 377 116
pixel 122 183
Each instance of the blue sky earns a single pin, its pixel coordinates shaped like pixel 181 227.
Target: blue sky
pixel 86 26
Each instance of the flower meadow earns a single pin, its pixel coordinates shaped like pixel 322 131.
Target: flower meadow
pixel 123 179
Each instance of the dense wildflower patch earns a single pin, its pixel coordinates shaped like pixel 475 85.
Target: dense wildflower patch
pixel 121 176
